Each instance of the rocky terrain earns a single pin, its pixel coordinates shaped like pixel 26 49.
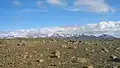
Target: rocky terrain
pixel 57 53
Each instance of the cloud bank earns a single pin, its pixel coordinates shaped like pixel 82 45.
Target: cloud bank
pixel 109 27
pixel 93 5
pixel 98 6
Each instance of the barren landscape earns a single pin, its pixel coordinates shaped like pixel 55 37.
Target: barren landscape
pixel 59 53
pixel 60 34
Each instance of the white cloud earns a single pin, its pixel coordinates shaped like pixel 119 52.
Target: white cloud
pixel 16 2
pixel 99 6
pixel 56 2
pixel 110 27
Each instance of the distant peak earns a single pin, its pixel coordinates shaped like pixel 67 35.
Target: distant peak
pixel 106 36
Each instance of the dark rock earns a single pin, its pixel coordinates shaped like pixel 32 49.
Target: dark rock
pixel 114 58
pixel 84 67
pixel 118 67
pixel 89 66
pixel 21 44
pixel 52 65
pixel 114 67
pixel 55 54
pixel 37 61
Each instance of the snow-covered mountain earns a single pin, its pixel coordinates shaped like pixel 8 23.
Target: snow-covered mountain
pixel 106 36
pixel 96 29
pixel 67 36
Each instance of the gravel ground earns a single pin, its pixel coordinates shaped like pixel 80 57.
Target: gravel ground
pixel 57 53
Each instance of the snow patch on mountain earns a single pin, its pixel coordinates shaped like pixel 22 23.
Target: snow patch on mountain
pixel 96 29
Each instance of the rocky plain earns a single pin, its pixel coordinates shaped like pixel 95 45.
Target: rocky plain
pixel 59 53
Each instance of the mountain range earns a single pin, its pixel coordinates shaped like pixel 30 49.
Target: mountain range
pixel 63 36
pixel 108 29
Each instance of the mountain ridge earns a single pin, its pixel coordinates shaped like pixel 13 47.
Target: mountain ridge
pixel 64 36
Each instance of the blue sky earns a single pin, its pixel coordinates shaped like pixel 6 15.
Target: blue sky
pixel 22 14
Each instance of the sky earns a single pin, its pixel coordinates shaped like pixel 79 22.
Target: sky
pixel 24 14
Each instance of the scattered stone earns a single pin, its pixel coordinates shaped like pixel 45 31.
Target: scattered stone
pixel 89 66
pixel 86 49
pixel 118 66
pixel 72 41
pixel 77 42
pixel 63 46
pixel 30 56
pixel 83 60
pixel 118 48
pixel 46 56
pixel 21 44
pixel 75 47
pixel 52 65
pixel 54 40
pixel 84 67
pixel 26 56
pixel 74 60
pixel 55 54
pixel 105 49
pixel 37 61
pixel 41 55
pixel 41 60
pixel 114 67
pixel 93 50
pixel 113 57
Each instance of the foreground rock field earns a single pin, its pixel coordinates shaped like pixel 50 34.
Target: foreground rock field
pixel 58 53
